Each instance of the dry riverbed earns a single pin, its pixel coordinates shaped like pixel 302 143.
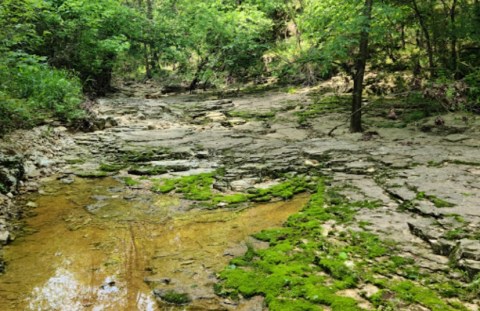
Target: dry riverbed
pixel 149 211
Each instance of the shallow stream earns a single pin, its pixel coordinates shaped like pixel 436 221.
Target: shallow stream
pixel 94 245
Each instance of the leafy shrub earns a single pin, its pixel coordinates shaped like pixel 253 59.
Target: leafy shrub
pixel 31 91
pixel 473 82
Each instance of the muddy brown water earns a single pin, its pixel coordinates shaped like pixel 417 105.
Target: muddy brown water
pixel 76 259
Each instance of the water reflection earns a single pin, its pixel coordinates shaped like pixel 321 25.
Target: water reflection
pixel 64 291
pixel 79 260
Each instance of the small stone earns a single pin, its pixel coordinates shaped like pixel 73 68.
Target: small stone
pixel 4 237
pixel 31 204
pixel 313 163
pixel 10 195
pixel 68 180
pixel 243 184
pixel 44 162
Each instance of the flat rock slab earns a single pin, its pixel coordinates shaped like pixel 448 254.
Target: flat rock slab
pixel 455 138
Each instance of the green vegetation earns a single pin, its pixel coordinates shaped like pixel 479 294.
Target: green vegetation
pixel 111 167
pixel 196 187
pixel 200 188
pixel 309 267
pixel 50 50
pixel 440 203
pixel 31 92
pixel 176 298
pixel 130 182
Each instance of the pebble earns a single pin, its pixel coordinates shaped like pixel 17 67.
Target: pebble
pixel 32 204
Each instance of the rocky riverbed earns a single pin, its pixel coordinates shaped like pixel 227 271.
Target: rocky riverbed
pixel 424 178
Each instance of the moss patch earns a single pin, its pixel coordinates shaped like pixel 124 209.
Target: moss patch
pixel 439 203
pixel 175 298
pixel 308 268
pixel 200 188
pixel 195 187
pixel 130 182
pixel 111 167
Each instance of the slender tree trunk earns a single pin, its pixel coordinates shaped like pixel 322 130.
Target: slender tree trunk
pixel 148 71
pixel 153 55
pixel 423 26
pixel 404 43
pixel 196 78
pixel 453 42
pixel 359 73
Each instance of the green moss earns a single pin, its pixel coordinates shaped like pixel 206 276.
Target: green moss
pixel 285 190
pixel 231 199
pixel 439 203
pixel 111 167
pixel 303 266
pixel 367 244
pixel 195 187
pixel 337 269
pixel 199 188
pixel 410 292
pixel 75 161
pixel 93 174
pixel 278 304
pixel 147 170
pixel 176 298
pixel 130 182
pixel 455 234
pixel 246 282
pixel 326 296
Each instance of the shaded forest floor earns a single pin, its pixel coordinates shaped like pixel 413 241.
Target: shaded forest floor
pixel 393 222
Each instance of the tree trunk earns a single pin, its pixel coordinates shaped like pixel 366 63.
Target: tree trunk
pixel 359 73
pixel 196 78
pixel 152 54
pixel 148 71
pixel 423 26
pixel 453 41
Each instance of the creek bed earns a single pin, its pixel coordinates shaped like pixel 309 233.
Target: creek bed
pixel 94 247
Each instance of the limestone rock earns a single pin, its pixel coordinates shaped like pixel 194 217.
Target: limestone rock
pixel 4 237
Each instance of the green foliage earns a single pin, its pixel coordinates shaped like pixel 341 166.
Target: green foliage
pixel 31 91
pixel 473 82
pixel 86 37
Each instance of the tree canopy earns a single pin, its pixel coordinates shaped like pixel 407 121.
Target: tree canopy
pixel 51 50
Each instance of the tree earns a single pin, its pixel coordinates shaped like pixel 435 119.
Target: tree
pixel 85 37
pixel 339 33
pixel 359 71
